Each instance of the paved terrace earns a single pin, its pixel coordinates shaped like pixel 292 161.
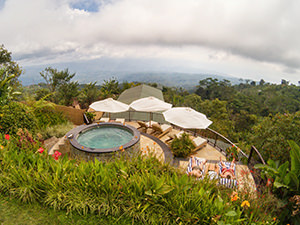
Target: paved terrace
pixel 158 147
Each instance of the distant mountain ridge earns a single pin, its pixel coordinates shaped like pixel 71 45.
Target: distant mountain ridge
pixel 170 79
pixel 173 74
pixel 186 80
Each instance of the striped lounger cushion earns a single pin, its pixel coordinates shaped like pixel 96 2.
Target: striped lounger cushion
pixel 198 163
pixel 230 183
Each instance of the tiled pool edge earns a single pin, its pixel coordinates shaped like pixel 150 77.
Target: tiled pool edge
pixel 78 151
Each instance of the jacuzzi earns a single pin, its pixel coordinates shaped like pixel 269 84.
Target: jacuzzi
pixel 103 140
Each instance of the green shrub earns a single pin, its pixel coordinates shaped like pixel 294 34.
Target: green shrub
pixel 90 116
pixel 58 130
pixel 47 116
pixel 286 179
pixel 16 115
pixel 271 135
pixel 232 152
pixel 183 146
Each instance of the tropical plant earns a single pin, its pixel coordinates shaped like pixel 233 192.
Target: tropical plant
pixel 183 146
pixel 270 135
pixel 286 182
pixel 67 93
pixel 6 89
pixel 90 116
pixel 59 83
pixel 110 88
pixel 16 115
pixel 89 94
pixel 11 67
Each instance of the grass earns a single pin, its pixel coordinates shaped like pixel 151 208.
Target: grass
pixel 14 212
pixel 57 130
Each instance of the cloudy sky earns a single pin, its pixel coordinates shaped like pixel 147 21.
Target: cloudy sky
pixel 251 39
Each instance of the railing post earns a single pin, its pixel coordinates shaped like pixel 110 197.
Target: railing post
pixel 250 155
pixel 216 140
pixel 129 115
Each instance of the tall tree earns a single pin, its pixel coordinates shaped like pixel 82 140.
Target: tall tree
pixel 9 66
pixel 55 78
pixel 59 83
pixel 110 88
pixel 89 94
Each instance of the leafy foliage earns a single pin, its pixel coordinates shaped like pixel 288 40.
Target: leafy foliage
pixel 59 83
pixel 89 94
pixel 286 182
pixel 47 117
pixel 232 152
pixel 183 146
pixel 6 89
pixel 16 115
pixel 110 88
pixel 272 133
pixel 11 67
pixel 90 116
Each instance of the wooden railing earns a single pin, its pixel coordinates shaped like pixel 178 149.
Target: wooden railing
pixel 254 152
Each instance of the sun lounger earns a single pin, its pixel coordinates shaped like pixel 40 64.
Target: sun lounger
pixel 104 120
pixel 150 123
pixel 230 183
pixel 143 126
pixel 120 120
pixel 212 171
pixel 173 136
pixel 199 143
pixel 161 130
pixel 198 162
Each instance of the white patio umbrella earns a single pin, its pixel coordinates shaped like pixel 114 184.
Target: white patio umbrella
pixel 186 118
pixel 109 105
pixel 150 104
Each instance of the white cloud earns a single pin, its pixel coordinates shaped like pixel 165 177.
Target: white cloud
pixel 228 36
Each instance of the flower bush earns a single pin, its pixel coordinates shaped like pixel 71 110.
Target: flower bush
pixel 232 152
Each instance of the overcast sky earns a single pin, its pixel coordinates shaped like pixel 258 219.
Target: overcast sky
pixel 251 39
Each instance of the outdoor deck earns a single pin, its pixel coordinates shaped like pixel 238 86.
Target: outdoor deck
pixel 149 146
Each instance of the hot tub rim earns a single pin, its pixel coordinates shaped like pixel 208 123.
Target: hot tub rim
pixel 73 134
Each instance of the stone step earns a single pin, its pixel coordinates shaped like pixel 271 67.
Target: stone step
pixel 58 146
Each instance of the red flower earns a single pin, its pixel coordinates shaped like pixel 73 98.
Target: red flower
pixel 41 150
pixel 269 182
pixel 7 136
pixel 251 171
pixel 56 155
